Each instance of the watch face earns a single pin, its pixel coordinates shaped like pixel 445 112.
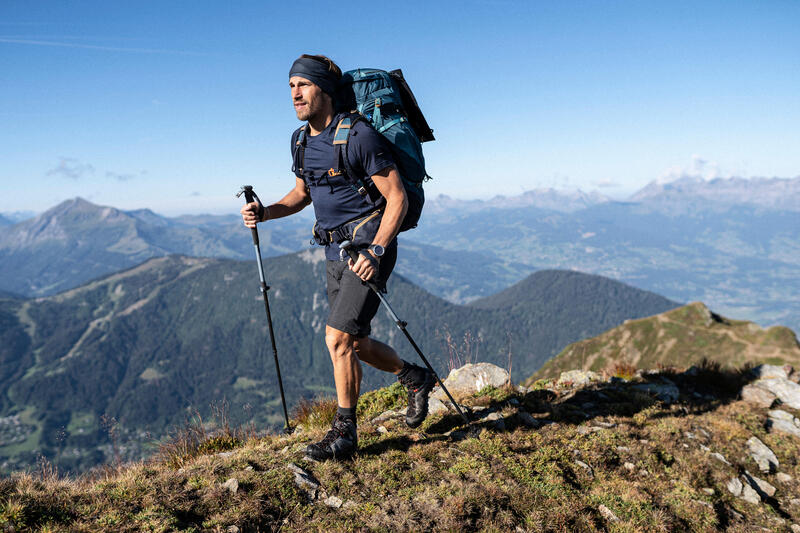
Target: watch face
pixel 377 249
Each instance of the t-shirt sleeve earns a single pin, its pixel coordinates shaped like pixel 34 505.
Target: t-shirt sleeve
pixel 369 151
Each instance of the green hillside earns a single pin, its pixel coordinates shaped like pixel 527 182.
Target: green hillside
pixel 119 361
pixel 680 337
pixel 603 458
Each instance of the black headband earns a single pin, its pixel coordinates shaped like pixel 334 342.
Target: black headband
pixel 315 72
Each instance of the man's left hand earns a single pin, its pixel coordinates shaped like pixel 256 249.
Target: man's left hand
pixel 364 268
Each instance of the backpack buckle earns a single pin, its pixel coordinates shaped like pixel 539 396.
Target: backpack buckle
pixel 362 191
pixel 334 172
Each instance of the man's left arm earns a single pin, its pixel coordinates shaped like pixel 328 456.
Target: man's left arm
pixel 390 185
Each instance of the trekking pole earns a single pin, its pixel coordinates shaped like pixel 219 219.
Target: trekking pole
pixel 347 247
pixel 250 195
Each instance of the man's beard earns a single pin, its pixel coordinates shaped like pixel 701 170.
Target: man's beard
pixel 307 112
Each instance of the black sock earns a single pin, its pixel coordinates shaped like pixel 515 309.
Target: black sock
pixel 347 412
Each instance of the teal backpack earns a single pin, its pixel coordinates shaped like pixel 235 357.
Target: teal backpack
pixel 384 100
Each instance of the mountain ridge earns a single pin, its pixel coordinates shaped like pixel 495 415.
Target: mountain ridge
pixel 143 345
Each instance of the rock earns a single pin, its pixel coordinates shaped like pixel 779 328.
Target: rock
pixel 223 454
pixel 232 529
pixel 757 396
pixel 787 391
pixel 388 415
pixel 349 504
pixel 607 513
pixel 795 528
pixel 585 467
pixel 471 378
pixel 764 488
pixel 382 430
pixel 304 480
pixel 527 419
pixel 629 466
pixel 795 502
pixel 232 485
pixel 667 392
pixel 623 449
pixel 783 422
pixel 762 455
pixel 769 371
pixel 708 491
pixel 249 468
pixel 578 377
pixel 496 421
pixel 605 425
pixel 750 495
pixel 436 406
pixel 333 501
pixel 734 486
pixel 719 457
pixel 782 477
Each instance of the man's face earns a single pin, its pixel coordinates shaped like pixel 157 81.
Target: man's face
pixel 307 97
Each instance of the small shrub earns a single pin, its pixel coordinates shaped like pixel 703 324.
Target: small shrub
pixel 623 370
pixel 316 413
pixel 375 402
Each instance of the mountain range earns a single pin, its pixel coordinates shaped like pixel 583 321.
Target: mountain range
pixel 730 243
pixel 146 346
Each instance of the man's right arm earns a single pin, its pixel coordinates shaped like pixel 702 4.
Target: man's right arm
pixel 295 201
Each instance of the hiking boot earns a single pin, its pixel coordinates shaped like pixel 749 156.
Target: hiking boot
pixel 419 382
pixel 339 443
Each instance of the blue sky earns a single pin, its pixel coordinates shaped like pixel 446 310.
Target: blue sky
pixel 174 105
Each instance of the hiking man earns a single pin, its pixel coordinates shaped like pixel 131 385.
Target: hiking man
pixel 343 212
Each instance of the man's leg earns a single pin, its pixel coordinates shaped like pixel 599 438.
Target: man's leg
pixel 378 355
pixel 346 368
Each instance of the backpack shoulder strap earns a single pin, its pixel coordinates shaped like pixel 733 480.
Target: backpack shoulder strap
pixel 299 157
pixel 341 164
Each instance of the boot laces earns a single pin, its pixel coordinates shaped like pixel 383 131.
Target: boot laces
pixel 339 429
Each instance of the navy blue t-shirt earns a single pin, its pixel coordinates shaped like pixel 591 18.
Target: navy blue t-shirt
pixel 334 198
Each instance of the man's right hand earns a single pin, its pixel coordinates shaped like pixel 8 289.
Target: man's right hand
pixel 250 214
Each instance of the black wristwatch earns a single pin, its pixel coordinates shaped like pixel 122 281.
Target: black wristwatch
pixel 377 249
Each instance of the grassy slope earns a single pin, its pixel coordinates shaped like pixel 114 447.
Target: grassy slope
pixel 681 337
pixel 648 466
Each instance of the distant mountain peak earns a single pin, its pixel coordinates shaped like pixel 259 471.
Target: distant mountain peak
pixel 775 193
pixel 565 201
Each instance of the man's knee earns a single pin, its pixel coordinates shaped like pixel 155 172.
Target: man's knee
pixel 340 344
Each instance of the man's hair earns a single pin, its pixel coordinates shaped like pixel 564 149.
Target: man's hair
pixel 332 67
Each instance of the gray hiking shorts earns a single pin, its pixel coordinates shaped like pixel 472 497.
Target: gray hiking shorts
pixel 352 303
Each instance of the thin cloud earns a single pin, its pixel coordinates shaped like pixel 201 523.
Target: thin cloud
pixel 119 177
pixel 98 47
pixel 71 168
pixel 699 168
pixel 603 184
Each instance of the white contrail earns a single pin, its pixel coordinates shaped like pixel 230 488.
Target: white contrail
pixel 96 47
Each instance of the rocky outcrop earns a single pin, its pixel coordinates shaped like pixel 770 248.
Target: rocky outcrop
pixel 471 378
pixel 772 383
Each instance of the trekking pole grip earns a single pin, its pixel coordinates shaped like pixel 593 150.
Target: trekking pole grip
pixel 249 197
pixel 347 246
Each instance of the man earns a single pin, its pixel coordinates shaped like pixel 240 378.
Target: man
pixel 344 212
